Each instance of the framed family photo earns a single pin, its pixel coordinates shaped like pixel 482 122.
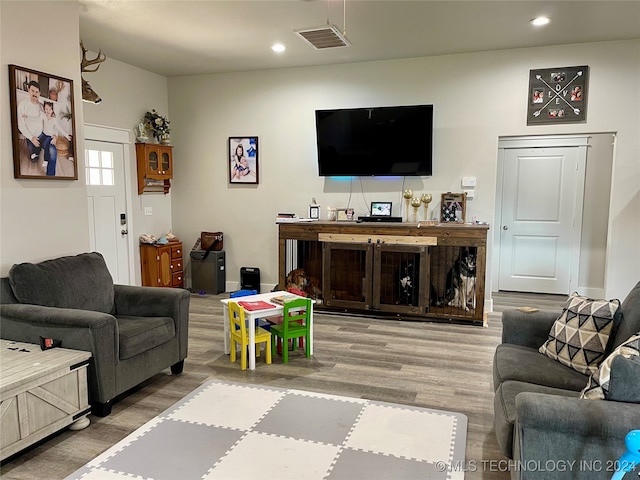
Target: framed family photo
pixel 243 160
pixel 42 125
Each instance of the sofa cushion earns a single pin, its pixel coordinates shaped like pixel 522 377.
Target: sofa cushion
pixel 504 408
pixel 515 362
pixel 630 322
pixel 579 338
pixel 80 282
pixel 598 385
pixel 140 334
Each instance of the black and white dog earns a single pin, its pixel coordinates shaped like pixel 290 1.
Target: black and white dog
pixel 461 280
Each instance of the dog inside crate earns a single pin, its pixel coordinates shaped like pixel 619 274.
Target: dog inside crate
pixel 408 283
pixel 453 277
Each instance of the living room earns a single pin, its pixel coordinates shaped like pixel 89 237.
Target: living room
pixel 478 98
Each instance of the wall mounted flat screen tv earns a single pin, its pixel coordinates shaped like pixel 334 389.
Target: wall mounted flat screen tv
pixel 377 141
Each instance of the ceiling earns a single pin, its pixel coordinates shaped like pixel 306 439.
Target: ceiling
pixel 183 37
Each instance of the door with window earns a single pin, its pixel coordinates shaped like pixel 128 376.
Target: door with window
pixel 108 216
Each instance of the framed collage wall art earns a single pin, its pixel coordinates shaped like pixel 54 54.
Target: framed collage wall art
pixel 42 125
pixel 243 160
pixel 557 95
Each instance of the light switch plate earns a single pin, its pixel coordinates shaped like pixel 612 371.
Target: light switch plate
pixel 470 193
pixel 469 182
pixel 148 211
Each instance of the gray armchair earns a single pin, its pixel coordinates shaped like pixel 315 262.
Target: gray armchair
pixel 132 332
pixel 539 417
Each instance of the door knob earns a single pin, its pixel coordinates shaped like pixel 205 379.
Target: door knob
pixel 504 227
pixel 124 232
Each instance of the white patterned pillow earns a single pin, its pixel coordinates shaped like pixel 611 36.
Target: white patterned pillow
pixel 598 384
pixel 579 337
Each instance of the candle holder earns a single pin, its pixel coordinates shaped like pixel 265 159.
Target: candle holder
pixel 426 199
pixel 415 203
pixel 408 195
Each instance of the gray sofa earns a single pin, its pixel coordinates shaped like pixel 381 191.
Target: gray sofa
pixel 132 332
pixel 540 421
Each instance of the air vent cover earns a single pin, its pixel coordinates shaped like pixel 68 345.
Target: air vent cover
pixel 327 36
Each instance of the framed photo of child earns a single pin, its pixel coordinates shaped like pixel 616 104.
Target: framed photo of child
pixel 243 160
pixel 42 125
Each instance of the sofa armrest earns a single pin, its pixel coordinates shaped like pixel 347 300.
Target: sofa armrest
pixel 553 431
pixel 157 302
pixel 84 330
pixel 624 383
pixel 527 329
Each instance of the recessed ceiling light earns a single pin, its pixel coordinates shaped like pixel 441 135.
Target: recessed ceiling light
pixel 539 21
pixel 278 47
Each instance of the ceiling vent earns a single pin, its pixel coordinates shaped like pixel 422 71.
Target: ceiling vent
pixel 327 36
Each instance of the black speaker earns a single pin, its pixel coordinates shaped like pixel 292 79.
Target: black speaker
pixel 250 278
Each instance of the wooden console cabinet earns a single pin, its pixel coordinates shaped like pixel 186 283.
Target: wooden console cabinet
pixel 155 167
pixel 162 265
pixel 394 269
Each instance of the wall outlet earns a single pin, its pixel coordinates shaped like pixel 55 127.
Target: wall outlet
pixel 148 211
pixel 470 193
pixel 469 182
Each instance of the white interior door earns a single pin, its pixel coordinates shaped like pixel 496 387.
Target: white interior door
pixel 542 193
pixel 108 215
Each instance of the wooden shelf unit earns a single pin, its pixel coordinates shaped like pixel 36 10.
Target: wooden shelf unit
pixel 360 267
pixel 162 265
pixel 155 167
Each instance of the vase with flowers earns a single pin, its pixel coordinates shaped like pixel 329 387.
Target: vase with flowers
pixel 159 125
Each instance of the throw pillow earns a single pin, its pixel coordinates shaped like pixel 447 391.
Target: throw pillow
pixel 598 385
pixel 579 337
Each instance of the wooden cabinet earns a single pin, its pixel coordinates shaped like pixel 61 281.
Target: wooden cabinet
pixel 162 265
pixel 394 269
pixel 155 167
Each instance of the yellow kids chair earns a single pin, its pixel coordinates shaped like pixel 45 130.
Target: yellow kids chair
pixel 295 323
pixel 240 335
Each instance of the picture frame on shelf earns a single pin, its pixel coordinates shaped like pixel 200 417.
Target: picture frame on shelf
pixel 453 207
pixel 243 160
pixel 314 211
pixel 42 125
pixel 345 214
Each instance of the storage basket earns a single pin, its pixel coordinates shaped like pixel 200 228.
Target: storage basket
pixel 208 241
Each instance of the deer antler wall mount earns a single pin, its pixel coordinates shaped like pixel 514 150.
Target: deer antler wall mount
pixel 88 95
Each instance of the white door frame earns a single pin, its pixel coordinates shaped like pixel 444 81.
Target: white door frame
pixel 121 136
pixel 542 141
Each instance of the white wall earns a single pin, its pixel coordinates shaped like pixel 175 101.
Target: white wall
pixel 477 98
pixel 128 92
pixel 40 219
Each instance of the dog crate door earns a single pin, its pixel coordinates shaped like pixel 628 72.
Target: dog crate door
pixel 400 276
pixel 346 276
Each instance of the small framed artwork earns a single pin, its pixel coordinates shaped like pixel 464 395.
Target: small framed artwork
pixel 42 125
pixel 314 211
pixel 453 207
pixel 243 160
pixel 557 95
pixel 345 214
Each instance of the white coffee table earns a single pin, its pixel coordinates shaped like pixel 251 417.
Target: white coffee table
pixel 41 392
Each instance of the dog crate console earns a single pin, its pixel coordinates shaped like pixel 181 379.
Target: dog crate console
pixel 397 269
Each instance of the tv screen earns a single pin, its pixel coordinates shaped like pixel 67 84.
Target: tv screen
pixel 377 141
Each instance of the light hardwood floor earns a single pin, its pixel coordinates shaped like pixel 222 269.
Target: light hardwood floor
pixel 435 365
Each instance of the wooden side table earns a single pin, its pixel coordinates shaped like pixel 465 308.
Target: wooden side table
pixel 41 392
